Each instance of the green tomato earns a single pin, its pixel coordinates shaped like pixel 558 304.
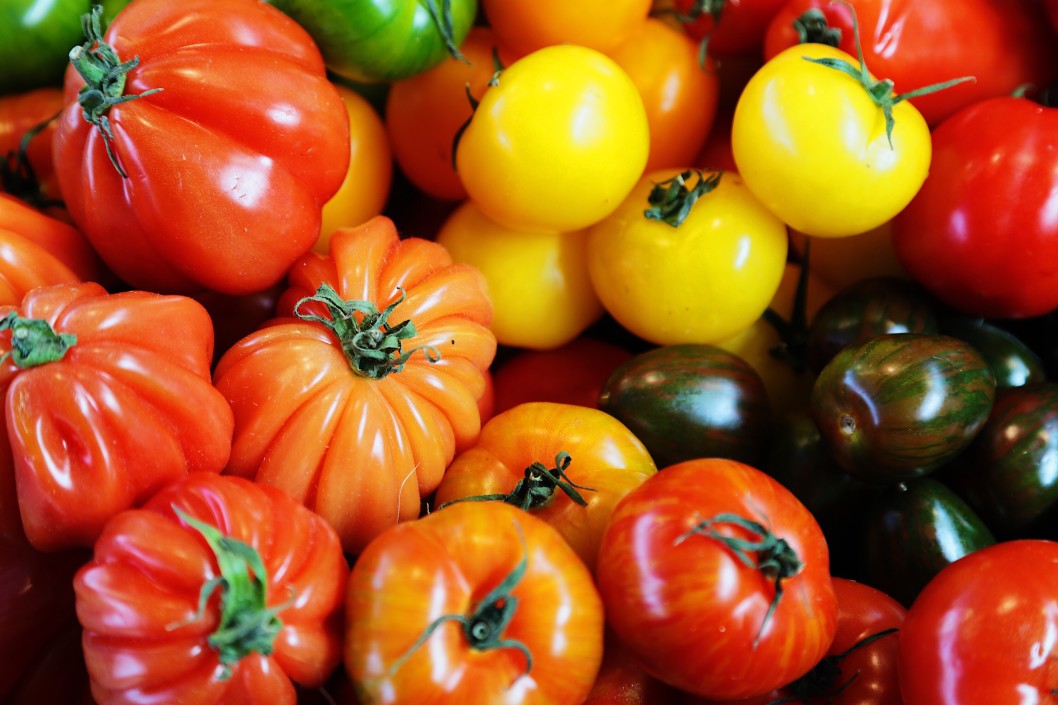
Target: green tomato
pixel 383 40
pixel 36 37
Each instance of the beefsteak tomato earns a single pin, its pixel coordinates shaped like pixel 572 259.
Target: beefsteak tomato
pixel 204 160
pixel 358 396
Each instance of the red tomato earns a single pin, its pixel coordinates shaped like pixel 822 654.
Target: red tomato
pixel 1052 12
pixel 916 43
pixel 360 433
pixel 18 114
pixel 622 681
pixel 38 250
pixel 228 165
pixel 498 610
pixel 217 591
pixel 569 465
pixel 981 234
pixel 107 398
pixel 573 373
pixel 732 26
pixel 982 632
pixel 861 666
pixel 718 579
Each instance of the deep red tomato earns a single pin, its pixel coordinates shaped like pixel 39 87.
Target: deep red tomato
pixel 732 26
pixel 360 424
pixel 217 591
pixel 1004 44
pixel 980 234
pixel 622 681
pixel 478 603
pixel 718 579
pixel 19 114
pixel 861 666
pixel 228 164
pixel 982 632
pixel 107 398
pixel 1052 12
pixel 573 373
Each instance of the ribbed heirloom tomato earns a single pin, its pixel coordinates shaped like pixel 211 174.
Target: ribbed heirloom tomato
pixel 356 398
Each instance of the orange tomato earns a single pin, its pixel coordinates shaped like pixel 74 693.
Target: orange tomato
pixel 528 25
pixel 18 114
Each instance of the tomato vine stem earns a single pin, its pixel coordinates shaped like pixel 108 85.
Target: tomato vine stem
pixel 536 489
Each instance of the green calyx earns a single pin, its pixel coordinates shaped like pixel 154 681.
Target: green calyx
pixel 104 74
pixel 484 627
pixel 765 552
pixel 671 200
pixel 442 19
pixel 537 488
pixel 372 346
pixel 34 342
pixel 881 92
pixel 812 28
pixel 247 625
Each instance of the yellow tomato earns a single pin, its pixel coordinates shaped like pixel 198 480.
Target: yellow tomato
pixel 557 143
pixel 701 282
pixel 365 189
pixel 542 297
pixel 812 145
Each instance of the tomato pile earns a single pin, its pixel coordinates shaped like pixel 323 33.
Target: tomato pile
pixel 607 352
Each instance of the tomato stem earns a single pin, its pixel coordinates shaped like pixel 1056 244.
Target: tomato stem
pixel 483 628
pixel 34 342
pixel 772 556
pixel 536 489
pixel 881 92
pixel 372 346
pixel 812 28
pixel 104 74
pixel 671 200
pixel 793 334
pixel 442 19
pixel 247 624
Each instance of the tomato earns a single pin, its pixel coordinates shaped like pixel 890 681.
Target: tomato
pixel 980 235
pixel 573 373
pixel 383 40
pixel 812 144
pixel 1052 12
pixel 228 165
pixel 921 42
pixel 844 261
pixel 423 147
pixel 568 465
pixel 731 27
pixel 498 610
pixel 557 143
pixel 36 37
pixel 527 25
pixel 679 95
pixel 365 189
pixel 541 294
pixel 216 591
pixel 621 681
pixel 981 633
pixel 107 398
pixel 717 578
pixel 37 250
pixel 34 178
pixel 861 666
pixel 360 427
pixel 708 279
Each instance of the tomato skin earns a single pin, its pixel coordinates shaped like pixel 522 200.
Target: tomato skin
pixel 740 28
pixel 690 610
pixel 146 639
pixel 378 40
pixel 461 553
pixel 557 143
pixel 605 457
pixel 525 26
pixel 810 143
pixel 958 644
pixel 979 235
pixel 18 114
pixel 271 145
pixel 621 681
pixel 917 43
pixel 38 250
pixel 538 281
pixel 359 451
pixel 123 413
pixel 708 279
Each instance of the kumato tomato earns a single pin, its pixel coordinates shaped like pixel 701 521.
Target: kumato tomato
pixel 557 143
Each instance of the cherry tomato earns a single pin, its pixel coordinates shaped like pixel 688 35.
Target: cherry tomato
pixel 731 27
pixel 528 25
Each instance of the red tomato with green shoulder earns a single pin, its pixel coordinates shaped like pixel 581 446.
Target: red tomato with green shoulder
pixel 718 579
pixel 207 161
pixel 498 610
pixel 218 590
pixel 108 399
